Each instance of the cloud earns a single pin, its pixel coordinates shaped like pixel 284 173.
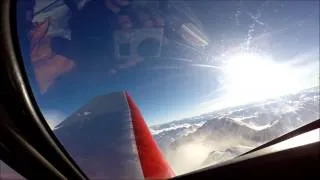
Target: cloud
pixel 194 153
pixel 53 117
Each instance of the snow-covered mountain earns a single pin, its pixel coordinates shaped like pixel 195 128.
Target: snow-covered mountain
pixel 211 138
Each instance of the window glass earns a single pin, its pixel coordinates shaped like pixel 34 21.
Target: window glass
pixel 213 79
pixel 8 173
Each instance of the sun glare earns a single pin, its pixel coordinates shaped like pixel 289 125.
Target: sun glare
pixel 300 140
pixel 253 77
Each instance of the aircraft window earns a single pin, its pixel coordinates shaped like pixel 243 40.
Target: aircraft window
pixel 300 140
pixel 213 79
pixel 8 173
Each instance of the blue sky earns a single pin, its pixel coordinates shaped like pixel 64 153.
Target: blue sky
pixel 284 30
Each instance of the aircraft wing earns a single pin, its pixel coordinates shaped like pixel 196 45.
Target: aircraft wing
pixel 109 139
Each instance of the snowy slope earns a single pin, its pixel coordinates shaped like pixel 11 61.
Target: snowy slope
pixel 230 132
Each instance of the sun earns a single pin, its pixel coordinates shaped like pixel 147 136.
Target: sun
pixel 251 77
pixel 248 77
